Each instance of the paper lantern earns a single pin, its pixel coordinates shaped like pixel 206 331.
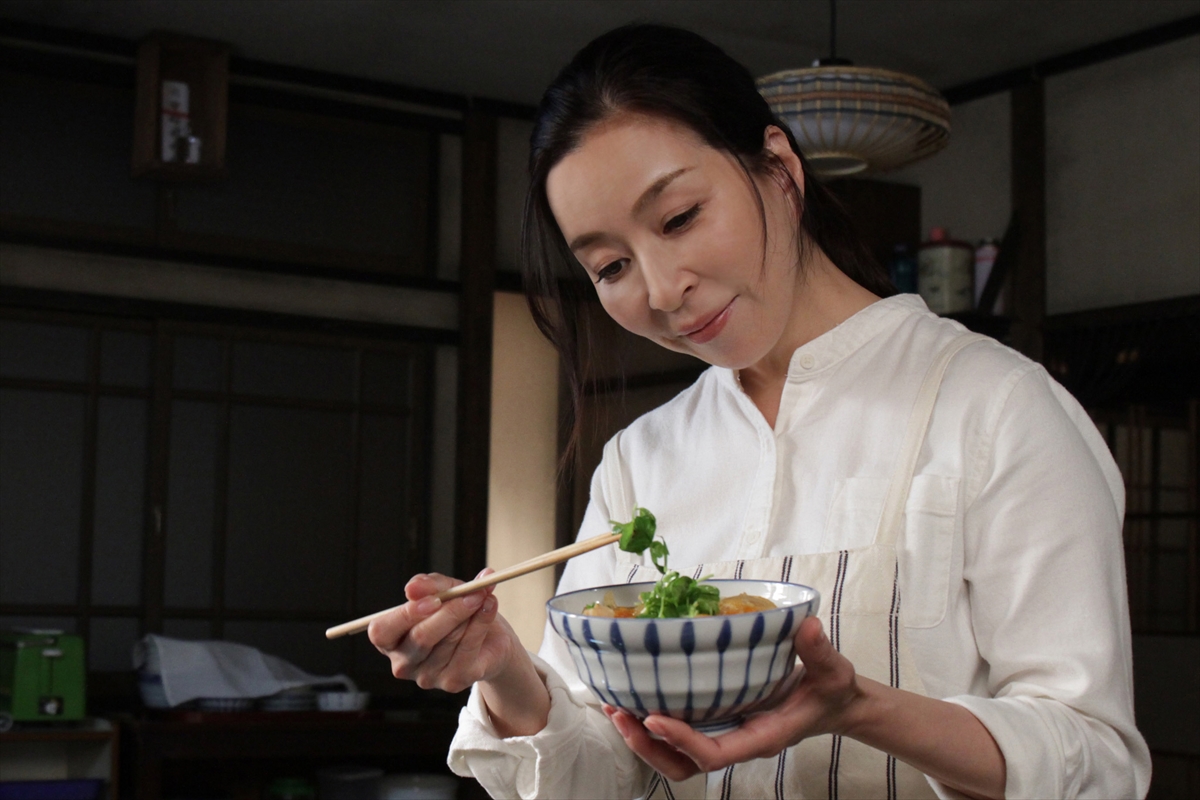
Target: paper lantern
pixel 852 120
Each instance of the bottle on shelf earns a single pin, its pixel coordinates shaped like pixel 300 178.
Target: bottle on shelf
pixel 985 259
pixel 902 269
pixel 945 272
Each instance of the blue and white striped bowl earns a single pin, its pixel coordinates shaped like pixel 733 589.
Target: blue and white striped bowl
pixel 708 671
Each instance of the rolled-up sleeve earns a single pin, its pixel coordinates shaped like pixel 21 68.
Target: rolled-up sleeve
pixel 1044 563
pixel 577 755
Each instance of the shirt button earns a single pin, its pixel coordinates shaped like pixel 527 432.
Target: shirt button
pixel 808 361
pixel 754 537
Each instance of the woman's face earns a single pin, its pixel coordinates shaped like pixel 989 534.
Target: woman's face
pixel 670 231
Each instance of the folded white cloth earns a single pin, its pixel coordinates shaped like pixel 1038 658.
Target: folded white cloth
pixel 191 669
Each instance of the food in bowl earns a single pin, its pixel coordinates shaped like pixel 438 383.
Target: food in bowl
pixel 707 671
pixel 671 648
pixel 674 595
pixel 740 604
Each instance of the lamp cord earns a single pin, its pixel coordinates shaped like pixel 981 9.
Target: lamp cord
pixel 832 29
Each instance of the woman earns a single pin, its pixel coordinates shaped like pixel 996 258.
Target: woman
pixel 980 644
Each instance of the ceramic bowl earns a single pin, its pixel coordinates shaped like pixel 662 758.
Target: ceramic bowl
pixel 343 701
pixel 150 686
pixel 707 671
pixel 225 705
pixel 301 698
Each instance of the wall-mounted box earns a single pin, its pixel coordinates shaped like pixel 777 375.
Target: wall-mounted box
pixel 182 108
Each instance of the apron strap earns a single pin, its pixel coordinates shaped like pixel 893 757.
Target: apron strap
pixel 892 520
pixel 618 494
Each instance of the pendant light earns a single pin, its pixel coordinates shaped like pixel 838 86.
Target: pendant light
pixel 854 120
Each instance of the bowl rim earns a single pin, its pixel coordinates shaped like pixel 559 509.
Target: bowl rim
pixel 550 609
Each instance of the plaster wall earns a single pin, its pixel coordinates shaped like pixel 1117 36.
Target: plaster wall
pixel 1123 180
pixel 965 187
pixel 524 460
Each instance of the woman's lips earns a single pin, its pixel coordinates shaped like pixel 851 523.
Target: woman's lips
pixel 712 328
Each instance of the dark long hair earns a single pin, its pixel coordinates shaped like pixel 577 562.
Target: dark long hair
pixel 676 75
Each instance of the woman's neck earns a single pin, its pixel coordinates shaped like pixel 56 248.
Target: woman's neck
pixel 824 298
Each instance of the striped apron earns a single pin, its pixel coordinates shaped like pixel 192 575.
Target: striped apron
pixel 860 609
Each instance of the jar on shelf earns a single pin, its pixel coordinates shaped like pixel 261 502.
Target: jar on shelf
pixel 945 273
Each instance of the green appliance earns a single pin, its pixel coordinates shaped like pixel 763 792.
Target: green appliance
pixel 41 677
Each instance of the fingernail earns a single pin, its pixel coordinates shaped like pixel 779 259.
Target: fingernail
pixel 473 601
pixel 428 605
pixel 489 604
pixel 484 572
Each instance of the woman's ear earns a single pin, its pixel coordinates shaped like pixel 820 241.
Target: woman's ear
pixel 776 141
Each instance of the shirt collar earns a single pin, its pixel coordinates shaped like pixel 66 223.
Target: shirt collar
pixel 846 338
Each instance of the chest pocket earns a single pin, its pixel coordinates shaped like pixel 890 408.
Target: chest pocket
pixel 924 549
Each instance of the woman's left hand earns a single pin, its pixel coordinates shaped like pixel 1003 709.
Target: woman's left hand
pixel 818 698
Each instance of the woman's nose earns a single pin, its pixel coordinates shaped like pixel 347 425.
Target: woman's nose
pixel 666 285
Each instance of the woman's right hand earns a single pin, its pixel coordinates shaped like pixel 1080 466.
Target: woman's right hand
pixel 452 645
pixel 446 646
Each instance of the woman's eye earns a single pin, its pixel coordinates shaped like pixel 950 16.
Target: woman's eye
pixel 678 221
pixel 610 271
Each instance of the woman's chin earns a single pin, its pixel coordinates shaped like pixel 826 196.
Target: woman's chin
pixel 726 359
pixel 724 351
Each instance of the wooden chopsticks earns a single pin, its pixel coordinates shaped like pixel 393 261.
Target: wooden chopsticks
pixel 515 571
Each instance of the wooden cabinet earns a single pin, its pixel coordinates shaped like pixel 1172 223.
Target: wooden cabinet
pixel 884 213
pixel 88 751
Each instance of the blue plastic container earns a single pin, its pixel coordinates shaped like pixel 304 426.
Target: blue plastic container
pixel 82 789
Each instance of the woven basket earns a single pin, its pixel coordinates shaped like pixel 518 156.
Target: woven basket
pixel 850 120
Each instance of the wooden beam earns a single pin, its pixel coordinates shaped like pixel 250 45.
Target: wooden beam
pixel 158 447
pixel 478 280
pixel 1029 206
pixel 87 502
pixel 1076 59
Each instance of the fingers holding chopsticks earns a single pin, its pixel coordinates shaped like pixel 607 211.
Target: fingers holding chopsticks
pixel 444 645
pixel 418 620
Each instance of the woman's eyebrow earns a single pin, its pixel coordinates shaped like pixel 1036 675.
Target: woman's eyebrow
pixel 656 188
pixel 647 197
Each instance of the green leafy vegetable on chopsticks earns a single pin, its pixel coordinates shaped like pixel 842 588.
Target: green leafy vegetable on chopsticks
pixel 674 595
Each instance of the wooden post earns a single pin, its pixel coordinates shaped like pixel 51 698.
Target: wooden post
pixel 1029 205
pixel 478 276
pixel 154 549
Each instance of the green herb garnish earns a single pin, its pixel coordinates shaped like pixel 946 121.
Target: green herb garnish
pixel 638 534
pixel 674 595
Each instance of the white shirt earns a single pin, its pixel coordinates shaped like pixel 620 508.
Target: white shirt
pixel 1016 609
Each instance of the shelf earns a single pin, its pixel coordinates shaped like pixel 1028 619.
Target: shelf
pixel 195 737
pixel 62 751
pixel 55 736
pixel 90 730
